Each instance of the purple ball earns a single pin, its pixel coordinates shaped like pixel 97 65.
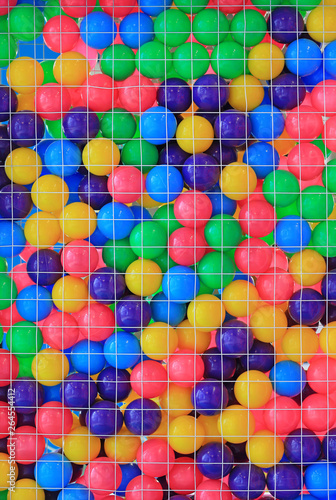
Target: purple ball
pixel 214 460
pixel 285 481
pixel 328 287
pixel 210 93
pixel 28 395
pixel 217 365
pixel 15 202
pixel 44 267
pixel 261 357
pixel 306 306
pixel 142 417
pixel 93 191
pixel 233 128
pixel 8 102
pixel 80 125
pixel 114 384
pixel 79 391
pixel 132 313
pixel 5 149
pixel 104 419
pixel 209 397
pixel 247 481
pixel 106 285
pixel 211 116
pixel 200 172
pixel 287 91
pixel 223 154
pixel 174 94
pixel 285 24
pixel 26 128
pixel 234 338
pixel 173 155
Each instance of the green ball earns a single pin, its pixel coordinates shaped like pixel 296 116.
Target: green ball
pixel 166 217
pixel 329 176
pixel 148 239
pixel 118 254
pixel 191 61
pixel 164 261
pixel 288 210
pixel 229 60
pixel 140 154
pixel 8 49
pixel 216 270
pixel 223 233
pixel 281 188
pixel 248 27
pixel 4 24
pixel 3 265
pixel 118 62
pixel 26 22
pixel 55 129
pixel 8 291
pixel 191 6
pixel 118 125
pixel 315 203
pixel 172 27
pixel 210 27
pixel 24 338
pixel 47 67
pixel 324 238
pixel 268 4
pixel 153 59
pixel 25 365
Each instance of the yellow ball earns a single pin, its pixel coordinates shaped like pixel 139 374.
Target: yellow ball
pixel 70 294
pixel 50 366
pixel 240 298
pixel 300 343
pixel 191 338
pixel 206 312
pixel 8 471
pixel 23 166
pixel 264 449
pixel 265 61
pixel 42 230
pixel 24 74
pixel 268 323
pixel 71 69
pixel 176 400
pixel 186 434
pixel 194 134
pixel 158 340
pixel 143 277
pixel 237 181
pixel 123 447
pixel 246 93
pixel 26 489
pixel 50 193
pixel 80 446
pixel 321 24
pixel 307 267
pixel 327 339
pixel 78 220
pixel 100 156
pixel 236 424
pixel 253 389
pixel 210 424
pixel 26 102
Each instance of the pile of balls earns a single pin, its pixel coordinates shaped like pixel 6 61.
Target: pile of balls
pixel 167 249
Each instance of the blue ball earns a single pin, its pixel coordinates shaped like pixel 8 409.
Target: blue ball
pixel 12 239
pixel 292 234
pixel 306 306
pixel 217 365
pixel 288 378
pixel 267 122
pixel 247 481
pixel 140 214
pixel 53 471
pixel 302 447
pixel 318 76
pixel 98 30
pixel 104 419
pixel 75 491
pixel 180 284
pixel 154 7
pixel 221 204
pixel 129 472
pixel 262 157
pixel 97 238
pixel 114 384
pixel 34 303
pixel 93 191
pixel 79 391
pixel 260 357
pixel 209 397
pixel 234 338
pixel 166 311
pixel 63 158
pixel 303 57
pixel 214 460
pixel 115 220
pixel 164 183
pixel 174 94
pixel 329 445
pixel 330 58
pixel 87 357
pixel 136 29
pixel 142 417
pixel 158 125
pixel 122 350
pixel 285 481
pixel 320 480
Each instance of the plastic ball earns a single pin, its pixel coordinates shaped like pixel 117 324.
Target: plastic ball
pixel 200 172
pixel 320 374
pixel 167 312
pixel 143 277
pixel 132 314
pixel 52 101
pixel 29 445
pixel 63 158
pixel 155 457
pixel 78 220
pixel 184 476
pixel 71 69
pixel 304 124
pixel 136 29
pixel 209 397
pixel 282 415
pixel 206 313
pixel 306 306
pixel 29 395
pixel 285 481
pixel 212 489
pixel 158 340
pixel 15 202
pixel 122 350
pixel 275 286
pixel 319 478
pixel 228 59
pixel 296 57
pixel 217 366
pixel 53 471
pixel 149 379
pixel 236 424
pixel 142 416
pixel 144 488
pixel 122 447
pixel 50 193
pixel 23 166
pixel 104 418
pixel 292 234
pixel 237 181
pixel 247 302
pixel 44 267
pixel 288 378
pixel 287 90
pixel 300 344
pixel 80 446
pixel 306 162
pixel 34 303
pixel 98 30
pixel 214 460
pixel 98 92
pixel 285 24
pixel 177 400
pixel 79 391
pixel 60 330
pixel 267 122
pixel 185 434
pixel 137 94
pixel 234 338
pixel 264 449
pixel 307 267
pixel 157 124
pixel 253 389
pixel 24 75
pixel 327 339
pixel 194 134
pixel 266 61
pixel 248 28
pixel 53 420
pixel 185 368
pixel 302 446
pixel 318 412
pixel 25 128
pixel 50 366
pixel 253 256
pixel 70 294
pixel 9 367
pixel 79 123
pixel 257 218
pixel 115 220
pixel 79 258
pixel 60 34
pixel 232 128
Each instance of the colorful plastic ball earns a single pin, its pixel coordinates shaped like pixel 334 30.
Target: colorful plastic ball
pixel 253 256
pixel 306 306
pixel 212 489
pixel 70 294
pixel 26 21
pixel 248 28
pixel 60 33
pixel 292 234
pixel 302 446
pixel 232 128
pixel 191 60
pixel 80 446
pixel 186 434
pixel 75 491
pixel 155 457
pixel 118 125
pixel 143 277
pixel 228 59
pixel 168 312
pixel 29 445
pixel 87 356
pixel 240 298
pixel 237 181
pixel 79 258
pixel 304 123
pixel 185 247
pixel 300 344
pixel 79 391
pixel 71 69
pixel 262 157
pixel 200 172
pixel 245 93
pixel 260 357
pixel 285 24
pixel 210 92
pixel 264 449
pixel 184 476
pixel 172 27
pixel 137 94
pixel 257 218
pixel 282 415
pixel 114 384
pixel 122 350
pixel 115 220
pixel 206 313
pixel 24 75
pixel 8 103
pixel 307 267
pixel 15 202
pixel 174 94
pixel 285 481
pixel 20 174
pixel 29 395
pixel 52 101
pixel 320 374
pixel 158 340
pixel 275 287
pixel 78 220
pixel 185 368
pixel 223 233
pixel 303 57
pixel 306 162
pixel 96 322
pixel 100 156
pixel 9 367
pixel 136 29
pixel 328 445
pixel 118 61
pixel 53 420
pixel 106 285
pixel 266 61
pixel 194 134
pixel 132 314
pixel 24 338
pixel 144 488
pixel 209 396
pixel 50 366
pixel 192 339
pixel 164 183
pixel 142 416
pixel 60 330
pixel 180 284
pixel 288 378
pixel 123 447
pixel 50 193
pixel 98 92
pixel 126 184
pixel 214 461
pixel 267 122
pixel 247 481
pixel 158 125
pixel 63 158
pixel 34 303
pixel 44 267
pixel 149 379
pixel 318 412
pixel 281 188
pixel 80 124
pixel 25 128
pixel 253 389
pixel 220 202
pixel 217 366
pixel 53 471
pixel 287 90
pixel 103 419
pixel 236 424
pixel 320 479
pixel 98 30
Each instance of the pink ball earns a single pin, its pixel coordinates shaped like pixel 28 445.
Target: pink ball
pixel 257 218
pixel 184 476
pixel 229 6
pixel 149 379
pixel 319 412
pixel 9 367
pixel 20 276
pixel 304 123
pixel 185 368
pixel 53 420
pixel 52 101
pixel 5 412
pixel 117 8
pixel 212 489
pixel 102 476
pixel 144 488
pixel 305 161
pixel 193 209
pixel 29 445
pixel 253 256
pixel 321 374
pixel 60 330
pixel 99 92
pixel 329 134
pixel 155 457
pixel 96 322
pixel 323 97
pixel 8 317
pixel 79 258
pixel 61 33
pixel 137 93
pixel 126 184
pixel 77 8
pixel 186 246
pixel 279 259
pixel 281 415
pixel 275 286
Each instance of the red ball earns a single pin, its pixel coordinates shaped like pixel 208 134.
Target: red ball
pixel 149 379
pixel 305 161
pixel 185 368
pixel 53 420
pixel 304 123
pixel 137 93
pixel 29 445
pixel 8 317
pixel 193 209
pixel 144 488
pixel 253 256
pixel 96 322
pixel 329 134
pixel 281 415
pixel 275 286
pixel 184 476
pixel 9 367
pixel 102 476
pixel 77 8
pixel 186 246
pixel 213 489
pixel 61 33
pixel 126 184
pixel 319 412
pixel 8 419
pixel 323 97
pixel 257 218
pixel 155 457
pixel 321 374
pixel 21 277
pixel 79 258
pixel 99 93
pixel 229 6
pixel 60 330
pixel 6 6
pixel 117 8
pixel 52 101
